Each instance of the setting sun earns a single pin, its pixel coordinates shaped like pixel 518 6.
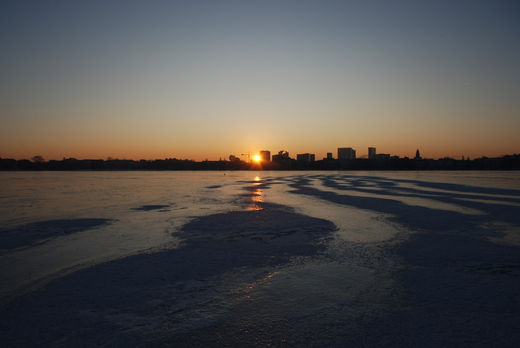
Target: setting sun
pixel 256 158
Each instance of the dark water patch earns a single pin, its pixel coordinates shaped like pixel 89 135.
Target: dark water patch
pixel 155 297
pixel 41 231
pixel 151 207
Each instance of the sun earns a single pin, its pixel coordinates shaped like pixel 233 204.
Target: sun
pixel 256 158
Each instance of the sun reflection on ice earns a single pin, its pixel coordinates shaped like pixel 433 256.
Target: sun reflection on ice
pixel 257 195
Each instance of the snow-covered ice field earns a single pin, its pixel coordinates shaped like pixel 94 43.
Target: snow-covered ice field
pixel 278 259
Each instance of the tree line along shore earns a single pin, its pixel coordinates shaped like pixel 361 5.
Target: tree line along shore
pixel 509 162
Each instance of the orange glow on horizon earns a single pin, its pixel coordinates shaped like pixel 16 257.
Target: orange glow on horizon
pixel 257 158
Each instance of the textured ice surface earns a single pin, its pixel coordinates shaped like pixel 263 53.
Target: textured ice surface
pixel 40 232
pixel 257 259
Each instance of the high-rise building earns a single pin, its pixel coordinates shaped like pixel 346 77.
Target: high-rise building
pixel 305 157
pixel 371 153
pixel 346 153
pixel 281 156
pixel 418 155
pixel 329 155
pixel 265 156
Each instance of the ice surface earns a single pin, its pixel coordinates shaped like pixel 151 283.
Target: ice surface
pixel 257 259
pixel 40 232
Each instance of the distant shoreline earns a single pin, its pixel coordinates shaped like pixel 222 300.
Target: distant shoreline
pixel 509 162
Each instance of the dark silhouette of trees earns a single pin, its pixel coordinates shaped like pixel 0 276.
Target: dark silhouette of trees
pixel 37 159
pixel 510 162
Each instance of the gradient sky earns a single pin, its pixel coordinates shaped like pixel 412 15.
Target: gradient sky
pixel 205 79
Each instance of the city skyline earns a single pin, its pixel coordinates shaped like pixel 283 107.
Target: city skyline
pixel 197 80
pixel 243 155
pixel 342 153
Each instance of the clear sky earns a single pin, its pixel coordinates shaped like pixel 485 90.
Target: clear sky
pixel 205 79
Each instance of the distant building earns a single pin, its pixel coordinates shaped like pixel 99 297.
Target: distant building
pixel 265 156
pixel 418 155
pixel 346 153
pixel 329 157
pixel 305 157
pixel 281 156
pixel 233 158
pixel 371 153
pixel 382 156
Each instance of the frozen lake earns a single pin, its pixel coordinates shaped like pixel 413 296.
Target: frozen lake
pixel 285 259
